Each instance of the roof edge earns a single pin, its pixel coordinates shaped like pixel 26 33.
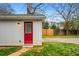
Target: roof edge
pixel 21 16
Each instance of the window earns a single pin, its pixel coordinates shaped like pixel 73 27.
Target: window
pixel 28 28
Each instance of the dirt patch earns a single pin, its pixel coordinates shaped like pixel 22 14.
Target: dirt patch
pixel 3 47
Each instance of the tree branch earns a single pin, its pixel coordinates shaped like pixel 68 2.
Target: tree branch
pixel 34 9
pixel 61 13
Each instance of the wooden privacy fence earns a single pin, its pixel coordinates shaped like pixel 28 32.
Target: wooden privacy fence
pixel 48 32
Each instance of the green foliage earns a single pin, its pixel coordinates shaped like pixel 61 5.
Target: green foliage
pixel 54 49
pixel 73 24
pixel 53 26
pixel 6 51
pixel 45 25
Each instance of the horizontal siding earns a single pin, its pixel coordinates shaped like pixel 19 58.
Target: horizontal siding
pixel 37 32
pixel 11 33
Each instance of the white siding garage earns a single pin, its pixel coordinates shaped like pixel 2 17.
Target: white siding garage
pixel 21 30
pixel 11 33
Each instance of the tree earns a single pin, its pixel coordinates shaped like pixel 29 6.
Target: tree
pixel 45 25
pixel 74 25
pixel 66 11
pixel 53 25
pixel 32 9
pixel 6 9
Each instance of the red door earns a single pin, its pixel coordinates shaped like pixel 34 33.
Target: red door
pixel 28 33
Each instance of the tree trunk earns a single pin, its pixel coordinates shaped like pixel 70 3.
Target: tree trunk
pixel 77 32
pixel 66 26
pixel 29 8
pixel 67 32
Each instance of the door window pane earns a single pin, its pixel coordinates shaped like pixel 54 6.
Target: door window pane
pixel 28 28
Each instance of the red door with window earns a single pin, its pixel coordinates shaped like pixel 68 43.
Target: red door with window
pixel 28 27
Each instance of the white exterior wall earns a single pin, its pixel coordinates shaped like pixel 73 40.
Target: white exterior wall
pixel 11 33
pixel 37 32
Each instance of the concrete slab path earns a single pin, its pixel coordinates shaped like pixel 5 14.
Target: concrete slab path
pixel 65 40
pixel 19 52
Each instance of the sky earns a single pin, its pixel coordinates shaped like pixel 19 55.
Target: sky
pixel 21 8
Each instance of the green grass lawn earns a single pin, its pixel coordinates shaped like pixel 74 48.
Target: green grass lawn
pixel 8 50
pixel 54 49
pixel 72 36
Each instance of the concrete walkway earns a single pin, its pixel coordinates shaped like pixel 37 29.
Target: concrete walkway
pixel 66 40
pixel 19 52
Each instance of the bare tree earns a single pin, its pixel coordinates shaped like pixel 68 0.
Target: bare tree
pixel 31 9
pixel 6 9
pixel 66 11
